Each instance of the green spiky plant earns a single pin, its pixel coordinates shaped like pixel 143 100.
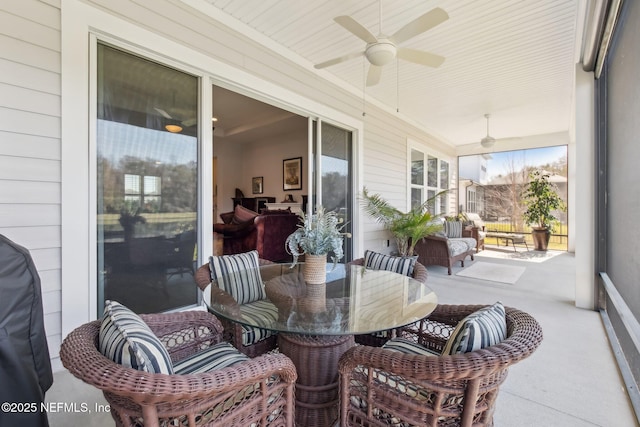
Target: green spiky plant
pixel 407 227
pixel 319 234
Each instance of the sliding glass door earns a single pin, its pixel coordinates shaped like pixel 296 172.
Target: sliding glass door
pixel 333 177
pixel 147 182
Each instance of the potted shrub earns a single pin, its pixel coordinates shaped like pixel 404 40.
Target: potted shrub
pixel 541 200
pixel 407 227
pixel 318 235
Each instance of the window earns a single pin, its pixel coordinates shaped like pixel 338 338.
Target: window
pixel 471 201
pixel 436 175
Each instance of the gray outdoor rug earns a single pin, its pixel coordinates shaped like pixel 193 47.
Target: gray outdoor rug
pixel 493 272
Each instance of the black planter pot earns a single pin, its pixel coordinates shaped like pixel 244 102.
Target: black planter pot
pixel 541 238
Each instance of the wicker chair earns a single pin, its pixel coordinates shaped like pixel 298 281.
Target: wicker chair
pixel 233 331
pixel 379 338
pixel 381 387
pixel 256 391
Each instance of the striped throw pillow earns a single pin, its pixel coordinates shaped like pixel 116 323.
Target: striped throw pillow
pixel 453 229
pixel 128 341
pixel 397 264
pixel 239 275
pixel 481 329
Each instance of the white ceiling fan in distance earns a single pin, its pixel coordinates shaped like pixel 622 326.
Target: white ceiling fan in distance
pixel 383 49
pixel 489 141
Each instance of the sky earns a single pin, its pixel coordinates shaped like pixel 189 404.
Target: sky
pixel 500 162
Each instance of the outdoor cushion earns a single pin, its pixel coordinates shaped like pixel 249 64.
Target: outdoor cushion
pixel 406 346
pixel 259 309
pixel 218 356
pixel 128 341
pixel 453 229
pixel 481 329
pixel 378 261
pixel 239 275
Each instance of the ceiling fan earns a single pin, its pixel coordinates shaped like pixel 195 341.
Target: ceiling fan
pixel 175 125
pixel 487 141
pixel 383 49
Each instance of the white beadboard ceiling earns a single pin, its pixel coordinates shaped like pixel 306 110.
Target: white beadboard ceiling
pixel 514 59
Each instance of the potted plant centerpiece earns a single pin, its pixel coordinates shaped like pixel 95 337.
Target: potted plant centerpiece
pixel 407 227
pixel 318 235
pixel 541 200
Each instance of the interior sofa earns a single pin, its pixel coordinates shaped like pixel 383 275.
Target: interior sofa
pixel 244 230
pixel 446 247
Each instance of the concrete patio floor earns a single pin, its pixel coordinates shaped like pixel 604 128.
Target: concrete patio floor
pixel 572 380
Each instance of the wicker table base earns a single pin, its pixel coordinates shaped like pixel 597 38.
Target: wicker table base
pixel 316 360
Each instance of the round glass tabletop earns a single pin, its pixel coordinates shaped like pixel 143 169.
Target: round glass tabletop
pixel 354 300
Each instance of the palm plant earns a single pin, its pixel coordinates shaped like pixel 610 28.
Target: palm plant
pixel 407 227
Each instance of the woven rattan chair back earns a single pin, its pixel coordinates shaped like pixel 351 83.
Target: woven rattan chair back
pixel 384 387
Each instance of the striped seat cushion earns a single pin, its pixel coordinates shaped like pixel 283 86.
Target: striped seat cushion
pixel 481 329
pixel 262 312
pixel 128 341
pixel 218 356
pixel 239 275
pixel 405 346
pixel 397 264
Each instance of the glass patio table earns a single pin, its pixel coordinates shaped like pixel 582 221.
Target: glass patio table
pixel 317 323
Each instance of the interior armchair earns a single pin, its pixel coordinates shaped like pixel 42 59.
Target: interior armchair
pixel 244 230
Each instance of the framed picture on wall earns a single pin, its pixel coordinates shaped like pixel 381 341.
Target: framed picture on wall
pixel 256 185
pixel 292 174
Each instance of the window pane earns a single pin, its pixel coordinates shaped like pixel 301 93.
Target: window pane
pixel 416 197
pixel 147 183
pixel 417 167
pixel 444 175
pixel 432 172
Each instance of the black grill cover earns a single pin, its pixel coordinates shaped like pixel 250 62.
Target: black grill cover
pixel 25 366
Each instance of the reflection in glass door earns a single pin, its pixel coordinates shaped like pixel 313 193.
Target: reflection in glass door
pixel 147 170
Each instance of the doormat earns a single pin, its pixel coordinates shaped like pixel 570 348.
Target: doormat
pixel 493 272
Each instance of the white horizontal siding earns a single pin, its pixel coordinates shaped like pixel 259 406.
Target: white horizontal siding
pixel 30 143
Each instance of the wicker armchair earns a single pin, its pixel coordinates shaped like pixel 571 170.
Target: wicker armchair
pixel 444 251
pixel 256 391
pixel 379 385
pixel 233 331
pixel 379 338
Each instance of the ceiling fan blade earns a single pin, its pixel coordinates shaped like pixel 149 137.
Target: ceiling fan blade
pixel 420 57
pixel 420 25
pixel 374 74
pixel 355 28
pixel 190 122
pixel 164 113
pixel 338 60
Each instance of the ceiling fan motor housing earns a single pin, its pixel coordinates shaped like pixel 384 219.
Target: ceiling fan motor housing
pixel 381 53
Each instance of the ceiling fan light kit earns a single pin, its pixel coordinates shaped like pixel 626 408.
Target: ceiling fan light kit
pixel 173 128
pixel 381 53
